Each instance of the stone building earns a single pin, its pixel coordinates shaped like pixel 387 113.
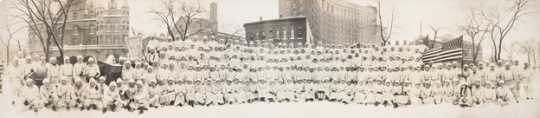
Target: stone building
pixel 326 23
pixel 94 28
pixel 334 22
pixel 283 32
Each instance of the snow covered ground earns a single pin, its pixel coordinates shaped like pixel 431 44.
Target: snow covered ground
pixel 311 110
pixel 530 109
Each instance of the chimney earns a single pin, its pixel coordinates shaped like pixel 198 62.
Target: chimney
pixel 214 16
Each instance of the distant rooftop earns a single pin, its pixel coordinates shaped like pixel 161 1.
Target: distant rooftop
pixel 279 19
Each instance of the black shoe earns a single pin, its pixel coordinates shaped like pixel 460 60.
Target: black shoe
pixel 141 111
pixel 93 106
pixel 113 108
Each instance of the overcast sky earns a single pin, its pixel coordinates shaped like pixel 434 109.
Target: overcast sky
pixel 446 14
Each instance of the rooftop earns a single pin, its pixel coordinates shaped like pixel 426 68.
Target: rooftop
pixel 274 20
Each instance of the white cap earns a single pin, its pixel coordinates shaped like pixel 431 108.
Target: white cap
pixel 102 78
pixel 112 84
pixel 46 81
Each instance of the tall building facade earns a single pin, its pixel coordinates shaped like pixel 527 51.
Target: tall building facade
pixel 334 22
pixel 94 28
pixel 283 32
pixel 214 16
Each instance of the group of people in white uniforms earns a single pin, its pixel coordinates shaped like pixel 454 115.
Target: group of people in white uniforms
pixel 211 74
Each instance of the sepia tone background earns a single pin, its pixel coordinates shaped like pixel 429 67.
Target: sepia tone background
pixel 414 19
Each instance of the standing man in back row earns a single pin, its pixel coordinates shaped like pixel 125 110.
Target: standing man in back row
pixel 91 70
pixel 78 69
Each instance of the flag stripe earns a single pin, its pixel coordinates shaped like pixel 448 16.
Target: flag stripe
pixel 449 55
pixel 432 51
pixel 444 57
pixel 434 55
pixel 447 51
pixel 449 59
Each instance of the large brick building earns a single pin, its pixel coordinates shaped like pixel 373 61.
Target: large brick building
pixel 329 22
pixel 284 32
pixel 336 22
pixel 94 28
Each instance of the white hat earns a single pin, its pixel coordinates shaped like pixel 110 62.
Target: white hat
pixel 77 80
pixel 91 59
pixel 29 81
pixel 46 81
pixel 119 80
pixel 102 78
pixel 92 80
pixel 112 84
pixel 52 59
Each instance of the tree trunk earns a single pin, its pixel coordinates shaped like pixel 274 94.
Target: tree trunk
pixel 534 59
pixel 61 58
pixel 19 45
pixel 171 33
pixel 529 57
pixel 495 59
pixel 8 55
pixel 47 47
pixel 474 54
pixel 381 28
pixel 499 50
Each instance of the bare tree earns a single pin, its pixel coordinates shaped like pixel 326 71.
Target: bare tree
pixel 435 30
pixel 385 36
pixel 529 48
pixel 167 17
pixel 47 20
pixel 500 26
pixel 178 18
pixel 11 30
pixel 475 30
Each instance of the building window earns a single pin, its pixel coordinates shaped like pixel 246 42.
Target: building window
pixel 292 34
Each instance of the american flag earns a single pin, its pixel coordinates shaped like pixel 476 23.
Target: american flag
pixel 448 51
